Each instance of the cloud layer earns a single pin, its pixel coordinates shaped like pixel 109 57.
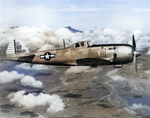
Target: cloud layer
pixel 30 81
pixel 27 66
pixel 137 108
pixel 113 75
pixel 7 77
pixel 82 69
pixel 48 38
pixel 31 101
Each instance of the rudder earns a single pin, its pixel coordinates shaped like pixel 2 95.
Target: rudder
pixel 15 49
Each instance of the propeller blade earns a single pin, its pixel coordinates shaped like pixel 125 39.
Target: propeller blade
pixel 64 43
pixel 135 62
pixel 134 44
pixel 135 54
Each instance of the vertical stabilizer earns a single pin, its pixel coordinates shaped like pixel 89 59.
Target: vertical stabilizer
pixel 11 48
pixel 15 49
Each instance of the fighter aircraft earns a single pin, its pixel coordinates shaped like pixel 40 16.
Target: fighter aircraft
pixel 82 53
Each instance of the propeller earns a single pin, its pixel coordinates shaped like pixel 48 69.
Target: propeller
pixel 134 44
pixel 135 54
pixel 64 43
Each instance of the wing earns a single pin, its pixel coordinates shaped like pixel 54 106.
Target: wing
pixel 92 62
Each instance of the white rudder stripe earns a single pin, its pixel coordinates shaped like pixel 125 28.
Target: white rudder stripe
pixel 11 48
pixel 15 47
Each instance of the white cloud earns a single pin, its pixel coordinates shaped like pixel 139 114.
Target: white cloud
pixel 30 81
pixel 27 66
pixel 137 33
pixel 113 75
pixel 147 71
pixel 54 102
pixel 148 52
pixel 48 38
pixel 82 69
pixel 46 47
pixel 137 108
pixel 6 77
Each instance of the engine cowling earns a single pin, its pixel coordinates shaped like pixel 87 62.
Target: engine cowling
pixel 124 54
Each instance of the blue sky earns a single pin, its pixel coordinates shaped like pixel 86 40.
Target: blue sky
pixel 80 14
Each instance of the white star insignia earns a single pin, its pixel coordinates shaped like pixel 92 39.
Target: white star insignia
pixel 47 56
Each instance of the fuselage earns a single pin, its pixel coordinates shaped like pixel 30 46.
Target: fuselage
pixel 79 54
pixel 83 55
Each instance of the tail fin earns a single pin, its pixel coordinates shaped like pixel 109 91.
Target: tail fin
pixel 15 48
pixel 11 48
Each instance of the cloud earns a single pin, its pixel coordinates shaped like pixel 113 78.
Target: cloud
pixel 147 71
pixel 48 38
pixel 82 69
pixel 137 33
pixel 148 52
pixel 137 108
pixel 6 77
pixel 30 81
pixel 113 75
pixel 27 66
pixel 46 47
pixel 42 36
pixel 5 36
pixel 30 101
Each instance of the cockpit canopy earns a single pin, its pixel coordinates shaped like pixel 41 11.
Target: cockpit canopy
pixel 81 44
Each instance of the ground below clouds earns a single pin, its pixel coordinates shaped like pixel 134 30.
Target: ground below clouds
pixel 102 92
